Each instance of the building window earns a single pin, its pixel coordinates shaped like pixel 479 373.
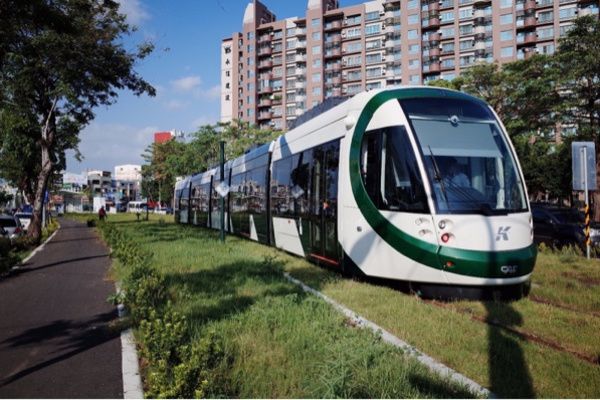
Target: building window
pixel 374 72
pixel 447 32
pixel 413 19
pixel 506 19
pixel 412 4
pixel 316 50
pixel 373 58
pixel 316 91
pixel 372 29
pixel 567 13
pixel 316 35
pixel 447 16
pixel 414 49
pixel 506 3
pixel 373 44
pixel 354 47
pixel 352 33
pixel 316 22
pixel 370 16
pixel 415 79
pixel 353 75
pixel 316 78
pixel 413 34
pixel 353 20
pixel 506 52
pixel 506 35
pixel 316 62
pixel 465 13
pixel 413 64
pixel 374 85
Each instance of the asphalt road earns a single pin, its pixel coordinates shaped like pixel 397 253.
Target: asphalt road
pixel 57 338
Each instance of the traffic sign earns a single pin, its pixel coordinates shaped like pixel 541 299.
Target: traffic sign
pixel 584 164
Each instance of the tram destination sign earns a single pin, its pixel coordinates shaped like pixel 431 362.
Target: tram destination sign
pixel 584 163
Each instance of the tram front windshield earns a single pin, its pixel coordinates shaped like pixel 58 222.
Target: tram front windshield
pixel 468 162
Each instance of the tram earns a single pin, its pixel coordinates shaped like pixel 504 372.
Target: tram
pixel 416 184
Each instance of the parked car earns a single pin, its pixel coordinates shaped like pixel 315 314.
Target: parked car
pixel 558 227
pixel 24 219
pixel 12 226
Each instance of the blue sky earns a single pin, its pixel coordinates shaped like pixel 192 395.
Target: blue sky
pixel 184 69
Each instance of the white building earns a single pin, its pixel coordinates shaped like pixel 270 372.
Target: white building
pixel 128 172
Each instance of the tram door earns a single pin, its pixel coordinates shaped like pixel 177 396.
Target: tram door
pixel 324 201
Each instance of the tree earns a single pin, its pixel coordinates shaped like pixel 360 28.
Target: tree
pixel 62 59
pixel 579 70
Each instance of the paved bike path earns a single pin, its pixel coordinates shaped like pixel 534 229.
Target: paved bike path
pixel 57 338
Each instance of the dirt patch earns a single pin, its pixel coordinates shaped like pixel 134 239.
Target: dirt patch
pixel 585 281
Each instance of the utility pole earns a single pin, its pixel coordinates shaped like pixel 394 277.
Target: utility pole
pixel 222 146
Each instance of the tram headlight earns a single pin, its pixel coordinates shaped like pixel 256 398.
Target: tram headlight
pixel 442 224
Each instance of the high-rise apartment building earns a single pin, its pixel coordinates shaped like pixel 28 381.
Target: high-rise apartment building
pixel 274 70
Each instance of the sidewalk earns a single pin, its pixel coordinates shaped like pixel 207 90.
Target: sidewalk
pixel 56 335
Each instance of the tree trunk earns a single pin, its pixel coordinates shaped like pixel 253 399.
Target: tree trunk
pixel 34 231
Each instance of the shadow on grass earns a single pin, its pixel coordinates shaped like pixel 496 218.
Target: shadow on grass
pixel 508 372
pixel 230 289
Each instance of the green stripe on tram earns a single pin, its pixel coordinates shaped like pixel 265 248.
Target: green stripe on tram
pixel 483 264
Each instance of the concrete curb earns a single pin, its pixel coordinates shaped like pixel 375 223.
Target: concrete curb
pixel 429 362
pixel 132 380
pixel 35 251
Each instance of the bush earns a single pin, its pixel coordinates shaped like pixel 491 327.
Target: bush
pixel 91 222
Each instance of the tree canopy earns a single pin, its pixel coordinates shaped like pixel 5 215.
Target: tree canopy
pixel 167 161
pixel 59 60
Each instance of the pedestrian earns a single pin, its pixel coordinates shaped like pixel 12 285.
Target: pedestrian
pixel 101 213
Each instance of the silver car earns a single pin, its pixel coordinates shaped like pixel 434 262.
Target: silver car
pixel 12 226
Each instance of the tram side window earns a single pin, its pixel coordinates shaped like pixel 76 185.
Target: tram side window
pixel 280 186
pixel 238 203
pixel 195 200
pixel 204 190
pixel 390 173
pixel 256 190
pixel 300 190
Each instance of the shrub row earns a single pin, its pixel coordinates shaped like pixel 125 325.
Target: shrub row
pixel 174 368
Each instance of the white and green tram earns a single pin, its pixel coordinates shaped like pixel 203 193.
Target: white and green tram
pixel 416 184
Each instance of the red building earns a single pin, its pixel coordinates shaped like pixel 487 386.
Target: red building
pixel 162 137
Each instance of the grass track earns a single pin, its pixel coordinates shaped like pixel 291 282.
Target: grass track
pixel 237 288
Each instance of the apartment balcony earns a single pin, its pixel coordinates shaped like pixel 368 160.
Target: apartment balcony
pixel 299 58
pixel 434 51
pixel 301 45
pixel 265 64
pixel 265 102
pixel 333 53
pixel 434 67
pixel 333 25
pixel 587 11
pixel 264 39
pixel 334 39
pixel 265 90
pixel 300 84
pixel 431 23
pixel 265 51
pixel 479 45
pixel 433 6
pixel 389 44
pixel 336 67
pixel 299 98
pixel 432 38
pixel 300 32
pixel 481 3
pixel 263 115
pixel 530 22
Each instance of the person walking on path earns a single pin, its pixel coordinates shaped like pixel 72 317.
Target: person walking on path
pixel 101 213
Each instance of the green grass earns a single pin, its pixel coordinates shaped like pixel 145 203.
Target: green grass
pixel 237 289
pixel 278 341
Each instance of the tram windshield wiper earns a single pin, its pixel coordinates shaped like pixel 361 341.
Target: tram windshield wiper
pixel 438 176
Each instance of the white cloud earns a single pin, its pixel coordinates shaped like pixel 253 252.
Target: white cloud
pixel 187 83
pixel 134 10
pixel 176 105
pixel 105 145
pixel 203 120
pixel 212 93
